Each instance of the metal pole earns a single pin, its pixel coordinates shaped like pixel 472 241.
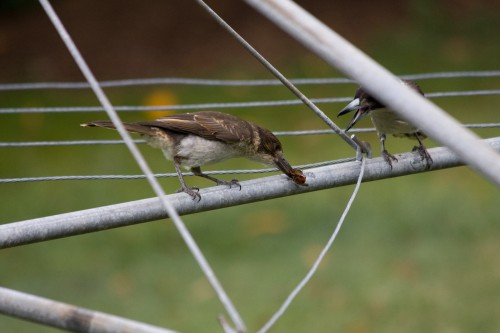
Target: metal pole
pixel 382 84
pixel 68 317
pixel 114 216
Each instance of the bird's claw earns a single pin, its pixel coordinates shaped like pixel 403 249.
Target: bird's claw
pixel 424 155
pixel 388 157
pixel 192 191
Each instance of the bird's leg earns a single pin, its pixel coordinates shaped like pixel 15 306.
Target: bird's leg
pixel 387 156
pixel 234 182
pixel 424 154
pixel 192 191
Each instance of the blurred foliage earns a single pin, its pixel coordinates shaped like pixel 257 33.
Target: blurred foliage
pixel 417 253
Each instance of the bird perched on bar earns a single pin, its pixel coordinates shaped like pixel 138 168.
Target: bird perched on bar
pixel 192 140
pixel 386 121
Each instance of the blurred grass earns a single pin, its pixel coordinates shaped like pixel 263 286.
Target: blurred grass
pixel 417 253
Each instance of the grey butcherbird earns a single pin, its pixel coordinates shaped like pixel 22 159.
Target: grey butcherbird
pixel 386 121
pixel 195 139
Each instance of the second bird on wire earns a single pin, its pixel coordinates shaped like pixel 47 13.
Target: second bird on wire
pixel 386 121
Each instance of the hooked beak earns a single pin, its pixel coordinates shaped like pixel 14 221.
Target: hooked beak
pixel 295 174
pixel 354 105
pixel 360 112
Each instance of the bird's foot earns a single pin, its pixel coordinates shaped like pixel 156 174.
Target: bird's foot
pixel 192 191
pixel 388 157
pixel 424 155
pixel 231 183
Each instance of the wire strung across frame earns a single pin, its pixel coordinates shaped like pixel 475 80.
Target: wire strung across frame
pixel 224 105
pixel 237 83
pixel 277 133
pixel 164 175
pixel 120 83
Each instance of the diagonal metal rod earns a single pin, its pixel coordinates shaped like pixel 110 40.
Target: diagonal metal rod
pixel 67 317
pixel 283 79
pixel 217 197
pixel 339 53
pixel 165 203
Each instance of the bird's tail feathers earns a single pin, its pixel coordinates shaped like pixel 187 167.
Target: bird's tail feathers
pixel 131 127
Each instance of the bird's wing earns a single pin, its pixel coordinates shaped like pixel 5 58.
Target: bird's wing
pixel 207 124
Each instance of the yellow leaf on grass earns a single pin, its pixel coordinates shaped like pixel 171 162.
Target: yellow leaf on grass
pixel 160 97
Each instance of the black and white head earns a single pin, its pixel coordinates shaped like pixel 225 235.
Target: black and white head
pixel 363 103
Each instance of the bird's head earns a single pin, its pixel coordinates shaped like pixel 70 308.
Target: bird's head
pixel 270 151
pixel 363 104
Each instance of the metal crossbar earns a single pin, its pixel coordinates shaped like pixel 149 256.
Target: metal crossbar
pixel 217 197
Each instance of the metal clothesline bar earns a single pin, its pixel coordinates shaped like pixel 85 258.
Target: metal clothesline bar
pixel 378 81
pixel 68 317
pixel 224 105
pixel 218 197
pixel 229 82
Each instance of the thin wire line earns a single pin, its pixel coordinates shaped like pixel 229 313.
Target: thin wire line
pixel 313 269
pixel 225 105
pixel 166 175
pixel 201 106
pixel 66 143
pixel 463 93
pixel 229 83
pixel 170 81
pixel 277 133
pixel 450 75
pixel 190 242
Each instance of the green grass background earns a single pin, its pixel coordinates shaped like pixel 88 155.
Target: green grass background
pixel 417 253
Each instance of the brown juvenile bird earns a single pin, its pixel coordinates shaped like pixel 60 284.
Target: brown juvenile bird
pixel 195 139
pixel 386 121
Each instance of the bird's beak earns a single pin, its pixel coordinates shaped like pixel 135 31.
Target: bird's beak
pixel 360 112
pixel 354 105
pixel 295 174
